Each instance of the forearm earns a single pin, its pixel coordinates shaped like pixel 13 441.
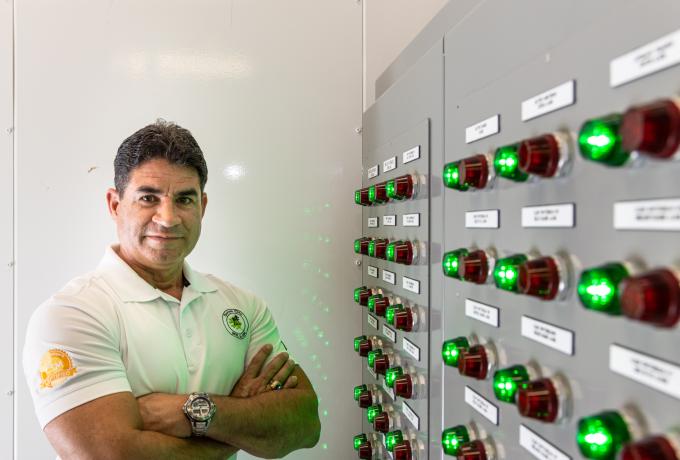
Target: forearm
pixel 153 445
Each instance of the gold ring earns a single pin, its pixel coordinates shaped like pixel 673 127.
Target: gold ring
pixel 275 385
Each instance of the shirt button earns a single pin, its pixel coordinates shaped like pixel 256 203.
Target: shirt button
pixel 188 332
pixel 191 369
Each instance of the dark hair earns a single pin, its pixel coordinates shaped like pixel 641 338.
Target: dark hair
pixel 159 140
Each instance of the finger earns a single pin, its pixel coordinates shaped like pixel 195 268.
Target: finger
pixel 291 382
pixel 255 366
pixel 284 372
pixel 273 367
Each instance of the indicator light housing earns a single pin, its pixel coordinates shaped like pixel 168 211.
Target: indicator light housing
pixel 473 450
pixel 652 297
pixel 392 375
pixel 403 387
pixel 507 382
pixel 452 177
pixel 543 155
pixel 506 163
pixel 474 172
pixel 476 362
pixel 391 312
pixel 382 423
pixel 364 347
pixel 357 342
pixel 381 364
pixel 451 350
pixel 361 197
pixel 361 295
pixel 652 129
pixel 366 451
pixel 651 448
pixel 453 438
pixel 372 355
pixel 372 412
pixel 366 399
pixel 506 272
pixel 539 399
pixel 599 141
pixel 405 320
pixel 358 390
pixel 392 439
pixel 402 252
pixel 601 436
pixel 401 188
pixel 451 262
pixel 598 287
pixel 474 267
pixel 371 301
pixel 359 440
pixel 381 306
pixel 361 245
pixel 541 278
pixel 402 451
pixel 378 248
pixel 377 193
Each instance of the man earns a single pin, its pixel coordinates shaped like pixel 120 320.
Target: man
pixel 146 358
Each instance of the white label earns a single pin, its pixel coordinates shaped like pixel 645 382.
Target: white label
pixel 481 405
pixel 411 155
pixel 373 321
pixel 373 171
pixel 482 219
pixel 410 285
pixel 549 101
pixel 555 215
pixel 389 221
pixel 389 333
pixel 389 165
pixel 372 271
pixel 647 215
pixel 388 390
pixel 410 220
pixel 372 372
pixel 481 312
pixel 372 222
pixel 411 416
pixel 653 372
pixel 539 447
pixel 549 335
pixel 650 58
pixel 389 277
pixel 411 348
pixel 483 129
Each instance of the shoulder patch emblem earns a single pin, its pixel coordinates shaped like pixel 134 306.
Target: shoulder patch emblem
pixel 56 367
pixel 236 323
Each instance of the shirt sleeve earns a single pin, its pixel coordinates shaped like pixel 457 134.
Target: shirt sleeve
pixel 264 331
pixel 72 356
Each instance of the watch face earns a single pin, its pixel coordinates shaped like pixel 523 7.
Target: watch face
pixel 200 409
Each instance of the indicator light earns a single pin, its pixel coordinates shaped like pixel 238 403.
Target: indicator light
pixel 358 390
pixel 450 262
pixel 391 312
pixel 653 297
pixel 652 129
pixel 452 438
pixel 402 451
pixel 361 295
pixel 366 399
pixel 506 163
pixel 359 440
pixel 403 386
pixel 451 350
pixel 540 278
pixel 475 362
pixel 452 176
pixel 373 412
pixel 371 301
pixel 599 141
pixel 393 374
pixel 377 248
pixel 539 400
pixel 377 193
pixel 401 252
pixel 382 422
pixel 381 364
pixel 401 188
pixel 474 267
pixel 372 355
pixel 506 272
pixel 381 306
pixel 357 342
pixel 473 450
pixel 598 287
pixel 651 448
pixel 601 436
pixel 473 172
pixel 366 451
pixel 361 197
pixel 364 347
pixel 542 155
pixel 507 381
pixel 404 319
pixel 393 438
pixel 361 245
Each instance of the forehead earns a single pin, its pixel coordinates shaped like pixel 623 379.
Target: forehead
pixel 159 171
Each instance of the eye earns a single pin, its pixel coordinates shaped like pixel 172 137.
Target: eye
pixel 148 198
pixel 185 200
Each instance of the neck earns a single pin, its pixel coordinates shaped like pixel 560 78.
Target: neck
pixel 169 280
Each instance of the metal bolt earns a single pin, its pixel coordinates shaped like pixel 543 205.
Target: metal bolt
pixel 10 393
pixel 357 262
pixel 358 130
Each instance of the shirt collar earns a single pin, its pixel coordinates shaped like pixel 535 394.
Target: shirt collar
pixel 132 288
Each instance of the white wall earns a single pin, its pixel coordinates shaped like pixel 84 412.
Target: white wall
pixel 272 92
pixel 390 25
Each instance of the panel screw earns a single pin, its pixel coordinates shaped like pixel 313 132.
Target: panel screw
pixel 358 130
pixel 357 262
pixel 10 393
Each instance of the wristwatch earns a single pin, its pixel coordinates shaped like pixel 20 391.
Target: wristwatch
pixel 199 409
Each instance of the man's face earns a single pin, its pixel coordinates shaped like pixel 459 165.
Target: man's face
pixel 159 216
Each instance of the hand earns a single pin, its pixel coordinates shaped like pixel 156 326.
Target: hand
pixel 256 380
pixel 163 413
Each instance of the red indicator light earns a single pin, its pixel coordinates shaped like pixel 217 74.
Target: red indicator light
pixel 366 451
pixel 403 319
pixel 380 193
pixel 379 248
pixel 474 362
pixel 403 386
pixel 381 306
pixel 403 252
pixel 402 451
pixel 381 364
pixel 474 267
pixel 474 171
pixel 653 297
pixel 540 278
pixel 361 245
pixel 652 129
pixel 401 188
pixel 538 399
pixel 652 448
pixel 364 347
pixel 365 399
pixel 381 422
pixel 473 450
pixel 361 197
pixel 361 295
pixel 542 155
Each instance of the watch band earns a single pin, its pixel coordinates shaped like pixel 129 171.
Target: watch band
pixel 199 427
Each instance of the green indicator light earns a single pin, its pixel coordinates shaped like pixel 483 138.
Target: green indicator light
pixel 452 438
pixel 506 382
pixel 373 412
pixel 599 141
pixel 357 342
pixel 371 248
pixel 390 250
pixel 391 311
pixel 452 177
pixel 598 287
pixel 393 374
pixel 450 262
pixel 371 302
pixel 392 439
pixel 506 164
pixel 357 197
pixel 357 293
pixel 359 389
pixel 359 440
pixel 371 194
pixel 506 272
pixel 357 245
pixel 391 189
pixel 601 436
pixel 372 355
pixel 451 350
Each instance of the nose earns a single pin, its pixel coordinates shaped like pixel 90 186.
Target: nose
pixel 166 215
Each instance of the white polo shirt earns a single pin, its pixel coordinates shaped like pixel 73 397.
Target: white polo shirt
pixel 110 331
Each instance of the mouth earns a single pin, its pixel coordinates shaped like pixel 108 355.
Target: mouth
pixel 163 238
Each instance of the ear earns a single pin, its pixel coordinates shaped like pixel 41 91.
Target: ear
pixel 112 201
pixel 204 203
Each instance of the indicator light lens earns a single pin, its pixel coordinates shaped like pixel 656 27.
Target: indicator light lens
pixel 403 320
pixel 393 438
pixel 473 450
pixel 402 252
pixel 391 312
pixel 598 287
pixel 540 155
pixel 373 412
pixel 538 400
pixel 382 423
pixel 653 297
pixel 506 164
pixel 652 448
pixel 365 399
pixel 540 278
pixel 601 436
pixel 381 306
pixel 474 267
pixel 357 293
pixel 400 188
pixel 361 295
pixel 372 355
pixel 402 451
pixel 359 440
pixel 451 350
pixel 381 364
pixel 364 347
pixel 403 386
pixel 452 176
pixel 371 301
pixel 378 193
pixel 371 193
pixel 506 382
pixel 393 374
pixel 450 262
pixel 361 197
pixel 391 250
pixel 366 451
pixel 358 390
pixel 452 438
pixel 506 272
pixel 357 342
pixel 652 129
pixel 474 172
pixel 599 141
pixel 379 248
pixel 361 245
pixel 371 248
pixel 474 362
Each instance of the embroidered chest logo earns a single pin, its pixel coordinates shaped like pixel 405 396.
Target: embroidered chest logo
pixel 235 322
pixel 55 368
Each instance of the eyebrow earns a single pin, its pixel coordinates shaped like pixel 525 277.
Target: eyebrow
pixel 155 191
